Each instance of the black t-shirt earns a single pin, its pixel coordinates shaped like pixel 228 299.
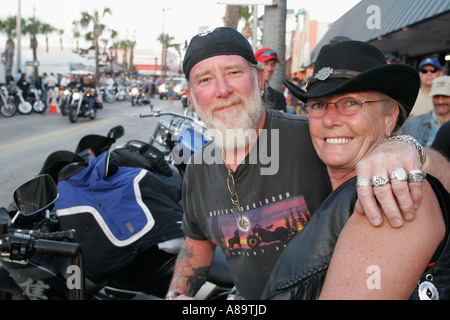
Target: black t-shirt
pixel 277 202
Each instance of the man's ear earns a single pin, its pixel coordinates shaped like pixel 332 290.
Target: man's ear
pixel 261 81
pixel 188 93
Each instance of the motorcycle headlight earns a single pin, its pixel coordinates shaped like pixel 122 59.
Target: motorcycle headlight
pixel 66 92
pixel 76 95
pixel 134 91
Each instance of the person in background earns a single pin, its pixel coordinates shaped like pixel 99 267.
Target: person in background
pixel 425 126
pixel 429 69
pixel 273 99
pixel 442 140
pixel 293 102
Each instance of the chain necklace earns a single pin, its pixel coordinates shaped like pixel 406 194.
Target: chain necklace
pixel 242 222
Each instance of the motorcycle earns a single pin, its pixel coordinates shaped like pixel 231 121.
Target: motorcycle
pixel 185 100
pixel 121 93
pixel 7 107
pixel 138 97
pixel 48 261
pixel 22 105
pixel 79 105
pixel 108 95
pixel 180 136
pixel 266 235
pixel 34 97
pixel 37 263
pixel 66 98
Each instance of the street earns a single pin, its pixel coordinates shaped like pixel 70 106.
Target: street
pixel 27 140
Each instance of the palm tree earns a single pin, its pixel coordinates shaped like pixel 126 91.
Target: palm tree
pixel 33 27
pixel 76 33
pixel 93 21
pixel 232 16
pixel 132 45
pixel 61 32
pixel 166 41
pixel 8 26
pixel 246 13
pixel 46 29
pixel 124 46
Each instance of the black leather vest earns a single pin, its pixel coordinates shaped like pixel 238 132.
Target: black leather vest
pixel 300 271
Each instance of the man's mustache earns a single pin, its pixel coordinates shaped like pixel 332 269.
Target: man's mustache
pixel 225 104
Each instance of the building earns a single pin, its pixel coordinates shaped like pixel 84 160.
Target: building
pixel 406 30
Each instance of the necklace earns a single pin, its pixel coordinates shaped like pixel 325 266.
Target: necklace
pixel 242 222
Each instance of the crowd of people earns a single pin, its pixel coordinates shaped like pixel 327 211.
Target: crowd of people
pixel 47 82
pixel 313 227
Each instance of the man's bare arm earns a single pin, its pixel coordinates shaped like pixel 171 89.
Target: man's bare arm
pixel 399 200
pixel 192 267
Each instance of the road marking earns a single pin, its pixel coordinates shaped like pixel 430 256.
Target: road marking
pixel 26 142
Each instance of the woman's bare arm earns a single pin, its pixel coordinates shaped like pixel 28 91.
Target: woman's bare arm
pixel 384 262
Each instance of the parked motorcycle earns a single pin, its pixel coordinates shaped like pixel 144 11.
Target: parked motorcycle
pixel 7 107
pixel 45 260
pixel 121 93
pixel 79 105
pixel 36 261
pixel 34 97
pixel 22 105
pixel 108 95
pixel 180 136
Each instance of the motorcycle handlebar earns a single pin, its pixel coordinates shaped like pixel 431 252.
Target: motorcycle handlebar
pixel 158 114
pixel 20 246
pixel 56 248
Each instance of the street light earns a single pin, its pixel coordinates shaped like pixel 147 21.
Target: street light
pixel 111 51
pixel 163 54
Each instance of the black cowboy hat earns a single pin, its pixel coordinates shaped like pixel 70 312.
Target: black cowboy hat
pixel 353 66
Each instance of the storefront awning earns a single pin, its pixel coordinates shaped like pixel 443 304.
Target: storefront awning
pixel 406 27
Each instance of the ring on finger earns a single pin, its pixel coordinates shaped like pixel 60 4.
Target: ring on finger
pixel 399 174
pixel 416 176
pixel 380 181
pixel 364 182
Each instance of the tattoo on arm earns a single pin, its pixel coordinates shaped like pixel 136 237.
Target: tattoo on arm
pixel 184 271
pixel 196 280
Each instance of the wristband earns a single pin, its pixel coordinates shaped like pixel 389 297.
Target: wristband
pixel 413 142
pixel 171 295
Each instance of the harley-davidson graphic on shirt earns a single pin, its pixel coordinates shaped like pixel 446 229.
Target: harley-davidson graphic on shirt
pixel 273 222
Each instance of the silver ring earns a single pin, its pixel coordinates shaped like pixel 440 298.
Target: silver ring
pixel 416 176
pixel 380 181
pixel 364 182
pixel 399 174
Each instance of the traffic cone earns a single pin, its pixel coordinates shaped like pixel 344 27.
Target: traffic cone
pixel 53 108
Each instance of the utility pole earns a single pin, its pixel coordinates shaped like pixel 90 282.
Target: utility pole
pixel 274 37
pixel 19 34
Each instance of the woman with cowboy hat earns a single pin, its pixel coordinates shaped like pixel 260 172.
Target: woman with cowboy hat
pixel 356 101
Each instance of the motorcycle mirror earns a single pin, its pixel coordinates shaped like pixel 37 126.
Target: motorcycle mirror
pixel 116 132
pixel 36 195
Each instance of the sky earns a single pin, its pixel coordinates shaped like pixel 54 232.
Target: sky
pixel 143 21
